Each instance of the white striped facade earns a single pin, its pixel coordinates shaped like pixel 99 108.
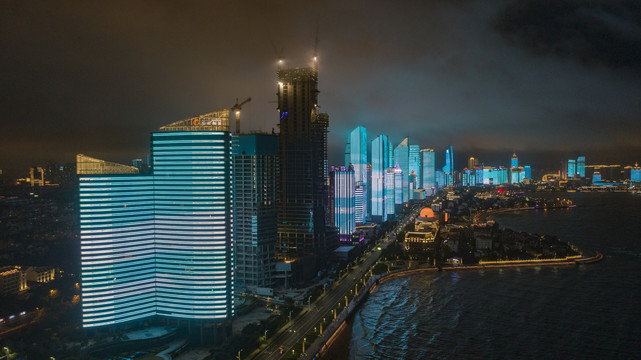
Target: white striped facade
pixel 160 244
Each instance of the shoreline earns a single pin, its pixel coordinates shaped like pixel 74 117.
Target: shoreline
pixel 339 345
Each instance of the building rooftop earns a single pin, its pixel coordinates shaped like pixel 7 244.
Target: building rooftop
pixel 86 165
pixel 213 121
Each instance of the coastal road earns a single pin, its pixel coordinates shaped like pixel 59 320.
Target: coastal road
pixel 310 317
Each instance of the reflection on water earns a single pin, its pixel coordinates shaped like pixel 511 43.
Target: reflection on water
pixel 589 311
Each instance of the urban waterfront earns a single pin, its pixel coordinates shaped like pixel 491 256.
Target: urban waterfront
pixel 586 311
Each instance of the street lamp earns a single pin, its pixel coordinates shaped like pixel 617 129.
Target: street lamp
pixel 290 316
pixel 309 300
pixel 238 356
pixel 265 335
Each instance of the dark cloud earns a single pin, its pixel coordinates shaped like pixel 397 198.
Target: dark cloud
pixel 98 77
pixel 607 32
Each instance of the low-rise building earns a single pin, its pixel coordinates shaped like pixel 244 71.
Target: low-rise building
pixel 41 274
pixel 12 280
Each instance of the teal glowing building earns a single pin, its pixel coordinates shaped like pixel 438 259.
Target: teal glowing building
pixel 514 162
pixel 580 166
pixel 571 168
pixel 390 193
pixel 402 161
pixel 380 157
pixel 343 183
pixel 448 169
pixel 415 166
pixel 428 171
pixel 356 153
pixel 160 244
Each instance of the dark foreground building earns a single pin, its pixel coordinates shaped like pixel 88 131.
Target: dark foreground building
pixel 305 240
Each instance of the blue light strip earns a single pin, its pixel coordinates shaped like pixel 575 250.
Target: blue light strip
pixel 160 244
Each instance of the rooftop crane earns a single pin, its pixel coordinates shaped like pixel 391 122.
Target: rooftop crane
pixel 237 109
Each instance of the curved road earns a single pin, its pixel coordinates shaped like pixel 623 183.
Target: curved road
pixel 310 317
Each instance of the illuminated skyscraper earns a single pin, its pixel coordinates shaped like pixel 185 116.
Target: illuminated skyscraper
pixel 528 172
pixel 356 154
pixel 192 172
pixel 515 161
pixel 360 199
pixel 255 159
pixel 517 174
pixel 160 244
pixel 303 227
pixel 415 166
pixel 428 169
pixel 448 169
pixel 399 187
pixel 344 197
pixel 571 168
pixel 440 180
pixel 580 166
pixel 390 193
pixel 494 175
pixel 380 157
pixel 635 173
pixel 402 161
pixel 478 174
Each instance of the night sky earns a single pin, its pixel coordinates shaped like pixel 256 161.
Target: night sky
pixel 547 79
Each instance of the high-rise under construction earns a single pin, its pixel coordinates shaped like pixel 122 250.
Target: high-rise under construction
pixel 303 229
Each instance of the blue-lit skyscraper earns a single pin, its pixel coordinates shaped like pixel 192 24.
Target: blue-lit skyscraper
pixel 571 168
pixel 517 175
pixel 360 203
pixel 380 157
pixel 494 175
pixel 514 161
pixel 415 165
pixel 399 186
pixel 448 169
pixel 192 172
pixel 402 161
pixel 528 172
pixel 356 154
pixel 161 244
pixel 344 186
pixel 635 173
pixel 390 193
pixel 118 260
pixel 580 166
pixel 428 170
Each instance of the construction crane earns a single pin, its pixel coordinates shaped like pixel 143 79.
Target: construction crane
pixel 237 109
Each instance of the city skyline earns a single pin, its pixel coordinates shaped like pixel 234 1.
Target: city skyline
pixel 455 74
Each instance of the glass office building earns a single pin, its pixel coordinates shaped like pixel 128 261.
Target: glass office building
pixel 448 169
pixel 380 157
pixel 580 166
pixel 428 170
pixel 161 244
pixel 344 197
pixel 415 166
pixel 571 168
pixel 402 161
